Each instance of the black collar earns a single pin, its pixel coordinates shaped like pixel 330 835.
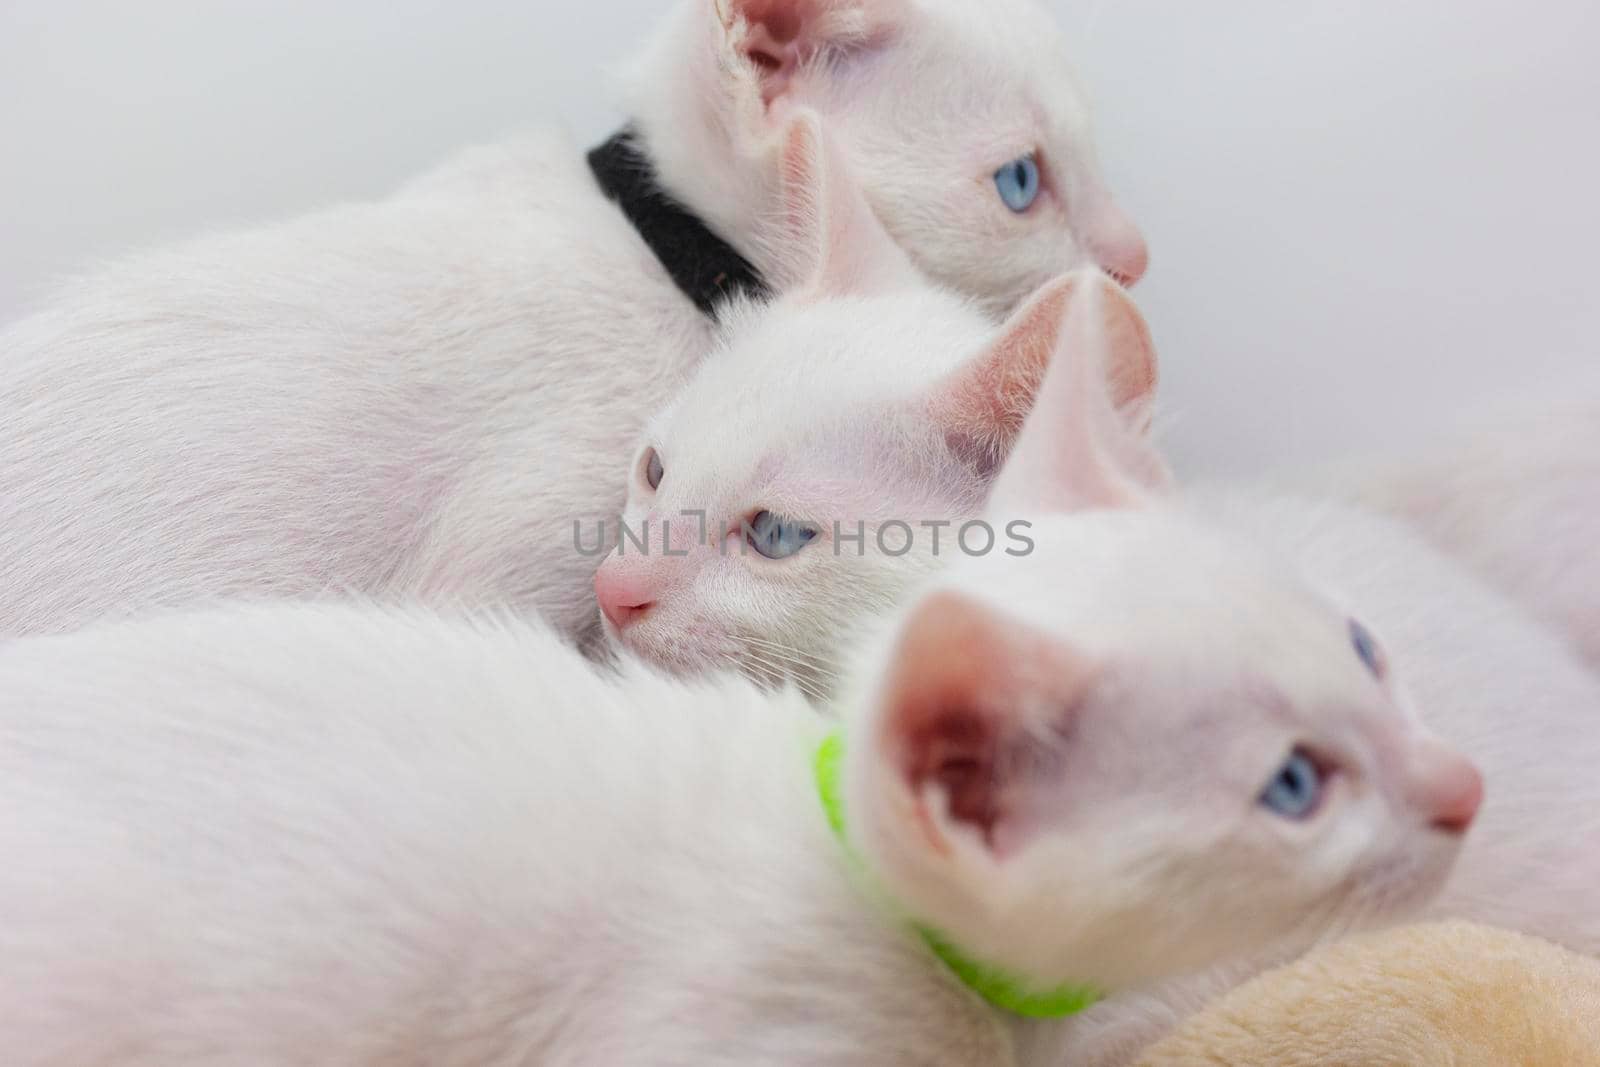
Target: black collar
pixel 702 264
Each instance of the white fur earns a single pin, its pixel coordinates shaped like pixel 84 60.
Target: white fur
pixel 284 833
pixel 928 98
pixel 340 834
pixel 1480 674
pixel 422 389
pixel 498 856
pixel 296 834
pixel 878 419
pixel 821 419
pixel 1517 501
pixel 1216 619
pixel 421 395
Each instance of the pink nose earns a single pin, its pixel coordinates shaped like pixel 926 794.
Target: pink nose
pixel 1126 260
pixel 1457 800
pixel 1115 243
pixel 622 599
pixel 1446 787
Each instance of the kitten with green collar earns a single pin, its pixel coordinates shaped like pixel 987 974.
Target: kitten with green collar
pixel 349 835
pixel 1196 643
pixel 1153 746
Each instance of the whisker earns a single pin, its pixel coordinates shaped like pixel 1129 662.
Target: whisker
pixel 811 662
pixel 776 672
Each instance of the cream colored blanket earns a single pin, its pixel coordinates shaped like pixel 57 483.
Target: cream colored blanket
pixel 1440 995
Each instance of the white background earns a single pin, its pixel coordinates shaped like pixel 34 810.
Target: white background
pixel 1364 215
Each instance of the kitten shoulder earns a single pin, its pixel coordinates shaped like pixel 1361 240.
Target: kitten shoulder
pixel 353 835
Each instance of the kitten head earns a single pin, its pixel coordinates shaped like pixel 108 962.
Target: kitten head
pixel 962 120
pixel 828 454
pixel 1144 747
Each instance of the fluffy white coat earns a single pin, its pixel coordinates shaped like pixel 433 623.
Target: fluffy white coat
pixel 421 395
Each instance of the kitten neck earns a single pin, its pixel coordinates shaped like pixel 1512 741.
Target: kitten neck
pixel 999 987
pixel 705 267
pixel 696 111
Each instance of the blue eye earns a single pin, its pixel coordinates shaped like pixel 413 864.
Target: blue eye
pixel 777 538
pixel 1367 648
pixel 1018 183
pixel 1296 789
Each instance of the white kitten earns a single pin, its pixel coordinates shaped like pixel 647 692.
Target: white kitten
pixel 292 833
pixel 1223 626
pixel 930 100
pixel 835 452
pixel 348 834
pixel 1518 502
pixel 422 393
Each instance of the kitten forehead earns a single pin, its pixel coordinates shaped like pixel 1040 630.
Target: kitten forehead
pixel 925 99
pixel 1137 585
pixel 1020 93
pixel 812 378
pixel 1028 52
pixel 888 344
pixel 1015 50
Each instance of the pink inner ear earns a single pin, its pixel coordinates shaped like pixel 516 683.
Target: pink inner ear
pixel 774 41
pixel 778 21
pixel 777 61
pixel 987 401
pixel 1082 445
pixel 961 684
pixel 780 35
pixel 946 731
pixel 958 755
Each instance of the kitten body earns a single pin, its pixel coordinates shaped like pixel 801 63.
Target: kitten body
pixel 289 834
pixel 874 423
pixel 1517 501
pixel 422 395
pixel 1238 584
pixel 1489 680
pixel 1057 761
pixel 380 396
pixel 1483 676
pixel 282 833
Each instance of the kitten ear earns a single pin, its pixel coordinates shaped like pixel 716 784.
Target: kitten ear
pixel 778 37
pixel 968 724
pixel 1083 325
pixel 1084 443
pixel 828 241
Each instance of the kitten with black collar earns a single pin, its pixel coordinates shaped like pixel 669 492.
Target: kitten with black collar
pixel 423 394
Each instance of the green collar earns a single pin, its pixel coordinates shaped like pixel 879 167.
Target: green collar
pixel 1000 988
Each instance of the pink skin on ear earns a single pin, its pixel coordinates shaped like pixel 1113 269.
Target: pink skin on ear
pixel 781 35
pixel 772 42
pixel 1082 445
pixel 988 400
pixel 832 242
pixel 953 726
